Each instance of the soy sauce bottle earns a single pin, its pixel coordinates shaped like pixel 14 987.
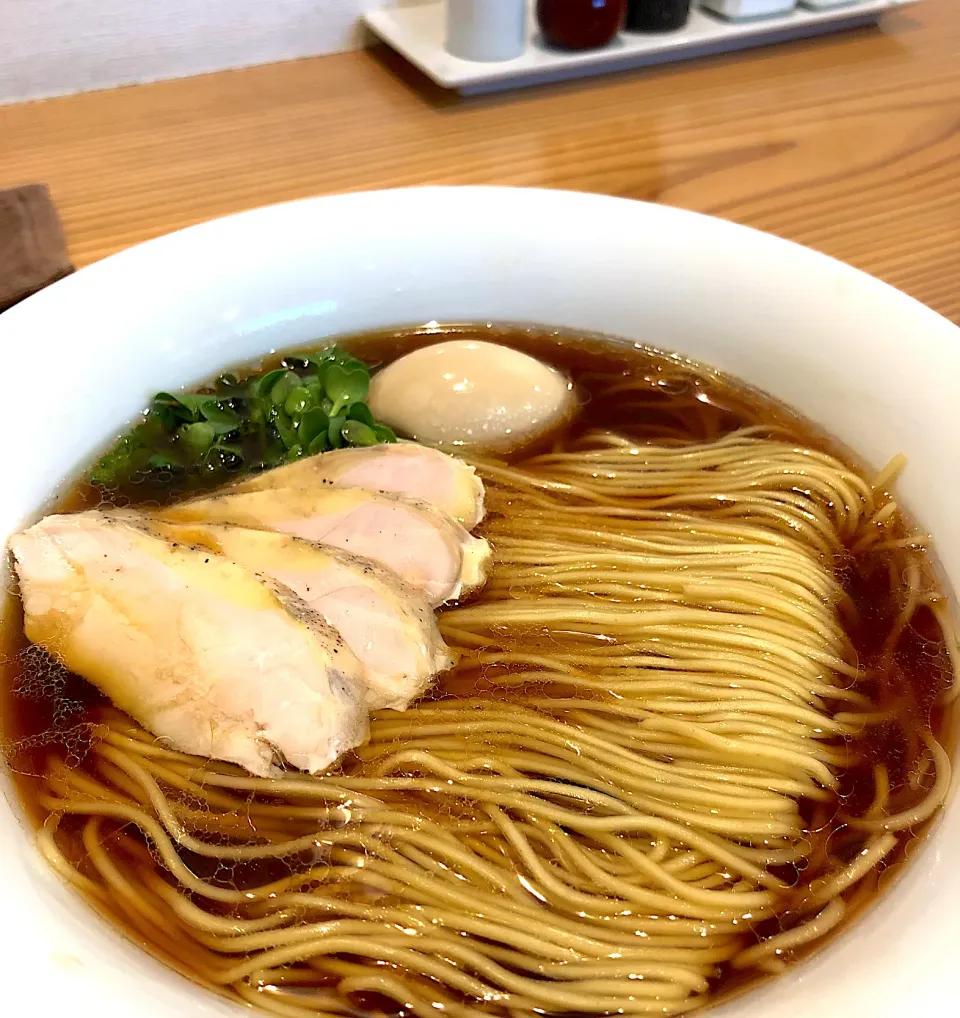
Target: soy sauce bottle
pixel 657 15
pixel 580 24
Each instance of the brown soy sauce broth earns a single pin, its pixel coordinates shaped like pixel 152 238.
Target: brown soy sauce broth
pixel 45 712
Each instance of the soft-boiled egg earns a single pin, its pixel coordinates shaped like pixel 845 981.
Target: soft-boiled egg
pixel 466 392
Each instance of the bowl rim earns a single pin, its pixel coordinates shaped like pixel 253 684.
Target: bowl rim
pixel 199 230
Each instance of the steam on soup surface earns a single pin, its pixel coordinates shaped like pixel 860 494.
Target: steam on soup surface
pixel 684 720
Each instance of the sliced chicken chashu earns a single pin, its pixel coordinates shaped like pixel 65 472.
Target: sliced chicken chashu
pixel 194 646
pixel 401 468
pixel 388 625
pixel 423 546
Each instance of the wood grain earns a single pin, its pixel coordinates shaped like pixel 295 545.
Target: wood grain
pixel 850 144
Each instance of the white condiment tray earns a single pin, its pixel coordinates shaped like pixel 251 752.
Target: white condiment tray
pixel 417 33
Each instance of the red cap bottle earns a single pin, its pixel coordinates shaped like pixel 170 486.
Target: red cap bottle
pixel 580 24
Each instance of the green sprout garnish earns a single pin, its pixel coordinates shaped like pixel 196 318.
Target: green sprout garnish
pixel 313 403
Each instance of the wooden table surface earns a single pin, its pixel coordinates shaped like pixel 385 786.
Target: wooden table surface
pixel 850 144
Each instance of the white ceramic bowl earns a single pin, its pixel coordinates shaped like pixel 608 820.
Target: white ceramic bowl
pixel 877 369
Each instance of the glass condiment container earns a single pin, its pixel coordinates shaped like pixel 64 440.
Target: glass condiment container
pixel 486 30
pixel 580 24
pixel 657 15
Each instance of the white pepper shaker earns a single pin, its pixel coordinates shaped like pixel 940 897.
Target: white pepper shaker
pixel 486 30
pixel 743 10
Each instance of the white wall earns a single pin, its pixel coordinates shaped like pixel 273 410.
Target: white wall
pixel 53 47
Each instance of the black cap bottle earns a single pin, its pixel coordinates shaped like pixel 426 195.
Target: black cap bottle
pixel 657 15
